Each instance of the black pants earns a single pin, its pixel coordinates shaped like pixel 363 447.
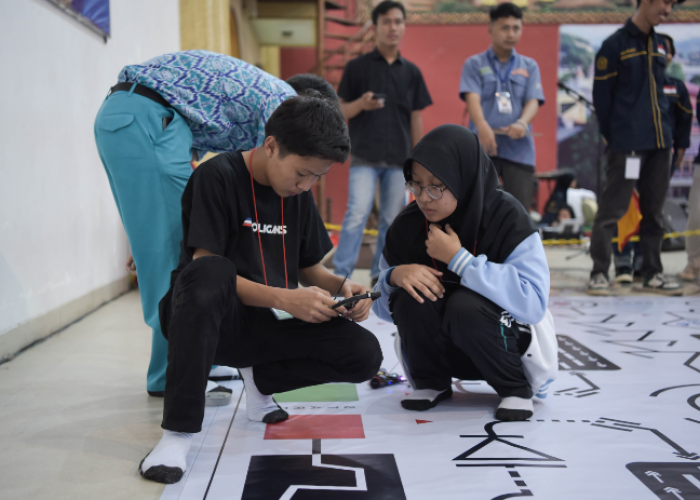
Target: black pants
pixel 518 180
pixel 207 325
pixel 652 185
pixel 461 336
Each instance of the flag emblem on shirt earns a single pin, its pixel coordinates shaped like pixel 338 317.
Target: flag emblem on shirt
pixel 521 71
pixel 601 63
pixel 669 89
pixel 248 222
pixel 662 49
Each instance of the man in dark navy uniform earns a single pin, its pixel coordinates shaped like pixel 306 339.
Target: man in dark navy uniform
pixel 679 107
pixel 633 116
pixel 681 122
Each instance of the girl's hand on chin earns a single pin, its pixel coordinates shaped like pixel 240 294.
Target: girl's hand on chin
pixel 442 245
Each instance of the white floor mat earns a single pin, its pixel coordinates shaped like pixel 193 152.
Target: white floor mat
pixel 622 421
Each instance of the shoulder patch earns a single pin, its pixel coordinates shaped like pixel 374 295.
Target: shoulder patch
pixel 486 70
pixel 602 63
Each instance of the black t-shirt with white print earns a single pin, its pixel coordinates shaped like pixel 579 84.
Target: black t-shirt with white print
pixel 218 215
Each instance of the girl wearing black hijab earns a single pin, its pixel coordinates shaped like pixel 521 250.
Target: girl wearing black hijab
pixel 463 276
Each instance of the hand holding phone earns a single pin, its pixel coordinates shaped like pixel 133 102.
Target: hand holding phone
pixel 371 101
pixel 351 302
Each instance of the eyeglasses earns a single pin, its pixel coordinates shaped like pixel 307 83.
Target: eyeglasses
pixel 433 191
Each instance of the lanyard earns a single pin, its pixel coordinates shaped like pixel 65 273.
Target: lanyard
pixel 503 79
pixel 257 227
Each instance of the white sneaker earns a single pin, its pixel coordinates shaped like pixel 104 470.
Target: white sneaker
pixel 598 285
pixel 659 284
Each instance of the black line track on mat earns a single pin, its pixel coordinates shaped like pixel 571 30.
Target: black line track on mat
pixel 223 445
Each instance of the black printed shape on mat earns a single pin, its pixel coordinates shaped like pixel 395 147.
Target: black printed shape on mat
pixel 323 477
pixel 575 356
pixel 669 480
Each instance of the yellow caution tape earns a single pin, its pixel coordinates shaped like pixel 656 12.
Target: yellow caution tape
pixel 675 234
pixel 336 227
pixel 563 242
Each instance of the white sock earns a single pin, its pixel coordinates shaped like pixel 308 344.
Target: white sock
pixel 516 403
pixel 424 394
pixel 259 406
pixel 170 452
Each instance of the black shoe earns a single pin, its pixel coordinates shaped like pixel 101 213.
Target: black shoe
pixel 425 404
pixel 156 394
pixel 623 275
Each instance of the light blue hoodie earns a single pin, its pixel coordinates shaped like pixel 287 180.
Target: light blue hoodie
pixel 520 285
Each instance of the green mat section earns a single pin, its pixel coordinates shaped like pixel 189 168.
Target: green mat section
pixel 320 394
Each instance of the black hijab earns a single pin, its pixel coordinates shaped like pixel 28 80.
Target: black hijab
pixel 488 221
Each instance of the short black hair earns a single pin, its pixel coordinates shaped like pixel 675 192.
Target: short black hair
pixel 384 7
pixel 505 10
pixel 305 81
pixel 310 125
pixel 670 47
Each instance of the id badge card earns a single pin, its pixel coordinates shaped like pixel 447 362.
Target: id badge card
pixel 633 165
pixel 505 106
pixel 280 314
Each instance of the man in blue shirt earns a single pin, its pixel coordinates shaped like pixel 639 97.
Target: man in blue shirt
pixel 503 92
pixel 161 115
pixel 634 118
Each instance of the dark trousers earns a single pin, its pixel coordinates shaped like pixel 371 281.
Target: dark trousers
pixel 518 180
pixel 652 186
pixel 461 336
pixel 207 324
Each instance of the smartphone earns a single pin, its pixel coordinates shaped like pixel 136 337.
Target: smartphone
pixel 379 96
pixel 350 302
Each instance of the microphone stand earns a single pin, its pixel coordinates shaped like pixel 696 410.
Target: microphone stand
pixel 599 164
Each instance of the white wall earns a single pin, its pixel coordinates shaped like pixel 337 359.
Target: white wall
pixel 61 238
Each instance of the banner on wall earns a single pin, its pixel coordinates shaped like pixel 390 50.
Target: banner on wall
pixel 577 130
pixel 92 13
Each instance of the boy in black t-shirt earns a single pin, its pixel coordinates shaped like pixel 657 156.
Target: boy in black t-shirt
pixel 251 233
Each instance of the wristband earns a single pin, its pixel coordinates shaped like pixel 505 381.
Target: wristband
pixel 522 122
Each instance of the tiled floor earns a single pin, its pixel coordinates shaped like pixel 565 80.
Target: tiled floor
pixel 75 419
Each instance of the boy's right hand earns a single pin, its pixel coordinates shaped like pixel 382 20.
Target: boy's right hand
pixel 311 304
pixel 417 276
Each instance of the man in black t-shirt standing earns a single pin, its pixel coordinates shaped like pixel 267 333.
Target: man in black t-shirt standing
pixel 382 95
pixel 251 234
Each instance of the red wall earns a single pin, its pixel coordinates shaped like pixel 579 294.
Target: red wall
pixel 439 51
pixel 294 60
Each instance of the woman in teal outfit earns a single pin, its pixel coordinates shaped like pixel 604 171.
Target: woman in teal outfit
pixel 160 115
